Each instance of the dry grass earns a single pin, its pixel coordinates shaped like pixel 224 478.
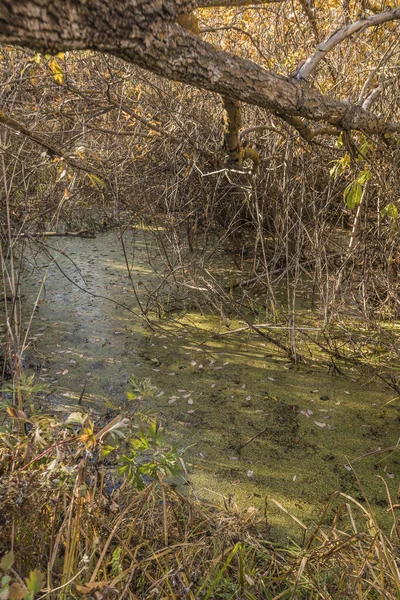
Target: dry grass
pixel 157 543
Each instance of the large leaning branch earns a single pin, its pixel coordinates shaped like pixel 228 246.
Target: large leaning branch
pixel 145 32
pixel 233 3
pixel 340 35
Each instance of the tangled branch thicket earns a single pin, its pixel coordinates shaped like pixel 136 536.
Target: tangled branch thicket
pixel 89 141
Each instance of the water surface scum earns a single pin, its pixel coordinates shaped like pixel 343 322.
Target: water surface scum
pixel 254 425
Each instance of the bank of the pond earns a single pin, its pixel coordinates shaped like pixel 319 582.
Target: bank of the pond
pixel 214 394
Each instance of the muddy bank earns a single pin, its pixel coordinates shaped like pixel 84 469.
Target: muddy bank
pixel 214 394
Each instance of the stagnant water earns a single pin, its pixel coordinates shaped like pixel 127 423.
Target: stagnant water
pixel 213 393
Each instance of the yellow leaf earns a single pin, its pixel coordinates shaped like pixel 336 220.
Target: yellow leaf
pixel 57 72
pixel 12 412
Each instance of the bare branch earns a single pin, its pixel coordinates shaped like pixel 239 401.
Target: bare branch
pixel 340 35
pixel 305 131
pixel 80 164
pixel 237 151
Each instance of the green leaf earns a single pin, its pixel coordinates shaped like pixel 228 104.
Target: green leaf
pixel 5 580
pixel 340 166
pixel 390 210
pixel 115 561
pixel 364 176
pixel 106 450
pixel 333 170
pixel 7 561
pixel 76 417
pixel 35 581
pixel 352 194
pixel 365 148
pixel 96 181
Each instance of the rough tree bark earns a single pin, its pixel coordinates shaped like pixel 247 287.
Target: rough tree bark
pixel 147 33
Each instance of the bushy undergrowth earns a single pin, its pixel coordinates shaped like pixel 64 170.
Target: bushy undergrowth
pixel 86 512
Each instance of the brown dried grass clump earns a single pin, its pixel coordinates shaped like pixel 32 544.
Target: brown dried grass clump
pixel 157 543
